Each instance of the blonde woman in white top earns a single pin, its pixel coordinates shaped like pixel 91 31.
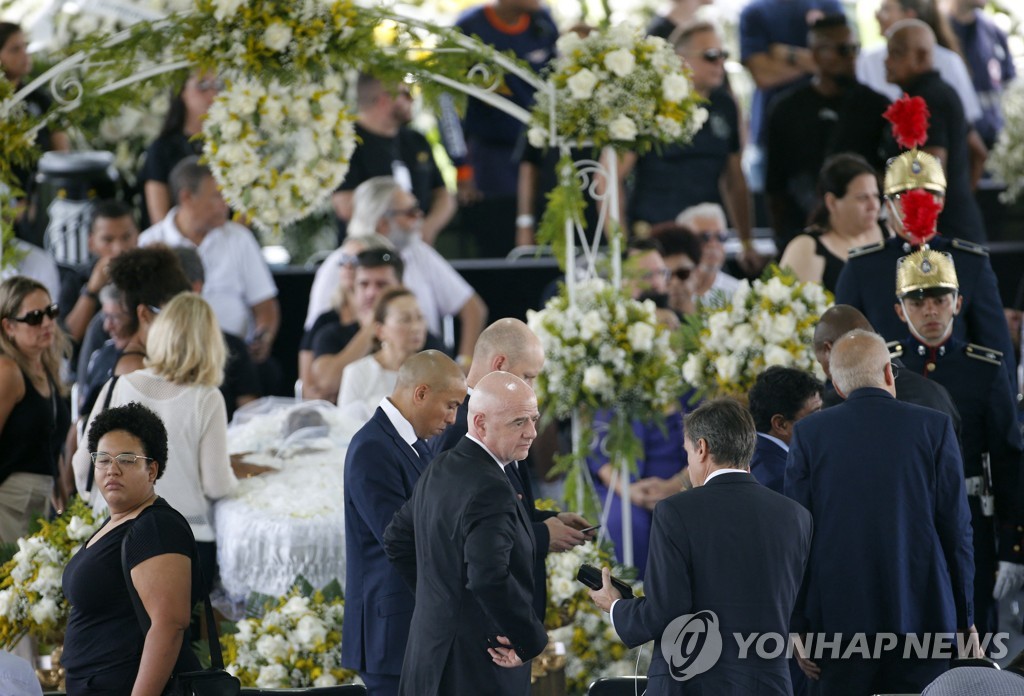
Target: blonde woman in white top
pixel 401 331
pixel 184 367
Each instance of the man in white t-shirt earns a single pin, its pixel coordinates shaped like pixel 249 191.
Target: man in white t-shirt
pixel 238 285
pixel 381 206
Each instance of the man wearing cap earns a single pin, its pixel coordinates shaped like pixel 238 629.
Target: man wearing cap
pixel 928 301
pixel 862 282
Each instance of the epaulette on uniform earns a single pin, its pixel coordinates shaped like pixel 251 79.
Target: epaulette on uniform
pixel 895 349
pixel 865 250
pixel 989 355
pixel 970 247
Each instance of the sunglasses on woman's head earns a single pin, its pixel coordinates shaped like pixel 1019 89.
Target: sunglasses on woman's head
pixel 35 317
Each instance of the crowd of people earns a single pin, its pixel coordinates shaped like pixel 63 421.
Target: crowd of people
pixel 884 500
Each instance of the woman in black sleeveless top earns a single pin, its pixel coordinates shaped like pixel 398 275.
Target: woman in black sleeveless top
pixel 34 414
pixel 847 217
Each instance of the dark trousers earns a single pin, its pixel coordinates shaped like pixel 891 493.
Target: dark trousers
pixel 986 609
pixel 380 684
pixel 890 673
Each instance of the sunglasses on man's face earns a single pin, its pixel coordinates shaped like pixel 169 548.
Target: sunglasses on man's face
pixel 722 237
pixel 35 317
pixel 846 50
pixel 713 55
pixel 682 273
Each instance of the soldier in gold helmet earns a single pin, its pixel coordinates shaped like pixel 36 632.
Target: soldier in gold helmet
pixel 928 294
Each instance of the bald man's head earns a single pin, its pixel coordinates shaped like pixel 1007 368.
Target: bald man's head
pixel 835 322
pixel 507 345
pixel 911 48
pixel 429 390
pixel 503 415
pixel 860 359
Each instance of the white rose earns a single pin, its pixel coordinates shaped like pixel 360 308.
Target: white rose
pixel 620 61
pixel 622 128
pixel 693 369
pixel 310 631
pixel 226 8
pixel 78 529
pixel 777 355
pixel 641 337
pixel 6 602
pixel 300 112
pixel 780 329
pixel 591 325
pixel 45 610
pixel 776 291
pixel 595 379
pixel 697 121
pixel 623 34
pixel 231 129
pixel 538 137
pixel 272 647
pixel 742 338
pixel 675 87
pixel 277 36
pixel 727 367
pixel 271 115
pixel 568 42
pixel 48 580
pixel 272 676
pixel 814 294
pixel 325 679
pixel 581 85
pixel 669 126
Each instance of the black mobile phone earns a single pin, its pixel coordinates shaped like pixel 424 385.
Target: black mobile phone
pixel 590 529
pixel 591 577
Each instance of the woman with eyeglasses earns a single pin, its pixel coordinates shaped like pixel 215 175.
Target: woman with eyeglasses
pixel 185 357
pixel 400 332
pixel 176 141
pixel 847 217
pixel 106 649
pixel 32 401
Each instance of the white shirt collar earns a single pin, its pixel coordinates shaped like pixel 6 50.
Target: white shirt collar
pixel 496 460
pixel 777 441
pixel 719 472
pixel 403 426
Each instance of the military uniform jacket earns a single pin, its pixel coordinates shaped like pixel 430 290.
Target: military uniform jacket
pixel 975 378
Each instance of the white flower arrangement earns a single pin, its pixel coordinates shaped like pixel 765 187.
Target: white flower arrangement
pixel 295 643
pixel 618 87
pixel 31 597
pixel 593 650
pixel 278 151
pixel 769 322
pixel 1007 157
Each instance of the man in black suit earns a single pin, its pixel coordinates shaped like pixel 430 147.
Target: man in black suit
pixel 383 463
pixel 911 387
pixel 510 346
pixel 729 547
pixel 780 397
pixel 465 544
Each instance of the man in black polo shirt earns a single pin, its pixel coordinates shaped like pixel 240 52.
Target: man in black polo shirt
pixel 910 65
pixel 388 147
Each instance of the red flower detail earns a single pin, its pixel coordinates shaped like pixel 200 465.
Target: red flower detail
pixel 909 118
pixel 920 212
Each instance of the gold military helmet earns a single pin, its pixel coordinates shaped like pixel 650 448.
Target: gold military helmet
pixel 914 169
pixel 924 270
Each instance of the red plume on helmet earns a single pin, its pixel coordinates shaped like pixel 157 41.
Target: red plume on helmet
pixel 909 118
pixel 920 212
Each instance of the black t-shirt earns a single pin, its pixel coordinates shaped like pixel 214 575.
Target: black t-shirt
pixel 947 128
pixel 804 126
pixel 165 152
pixel 328 318
pixel 407 157
pixel 240 375
pixel 103 632
pixel 332 338
pixel 665 184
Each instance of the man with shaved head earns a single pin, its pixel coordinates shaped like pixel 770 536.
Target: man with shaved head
pixel 383 463
pixel 911 387
pixel 510 346
pixel 910 64
pixel 892 551
pixel 465 543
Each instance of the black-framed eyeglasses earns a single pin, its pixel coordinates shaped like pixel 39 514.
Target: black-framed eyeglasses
pixel 722 237
pixel 35 317
pixel 713 55
pixel 103 460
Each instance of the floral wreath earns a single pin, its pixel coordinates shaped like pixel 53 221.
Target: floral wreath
pixel 279 152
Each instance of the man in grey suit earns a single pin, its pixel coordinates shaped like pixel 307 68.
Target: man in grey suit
pixel 728 547
pixel 465 544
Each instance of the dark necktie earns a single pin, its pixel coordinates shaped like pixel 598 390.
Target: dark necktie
pixel 421 449
pixel 512 471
